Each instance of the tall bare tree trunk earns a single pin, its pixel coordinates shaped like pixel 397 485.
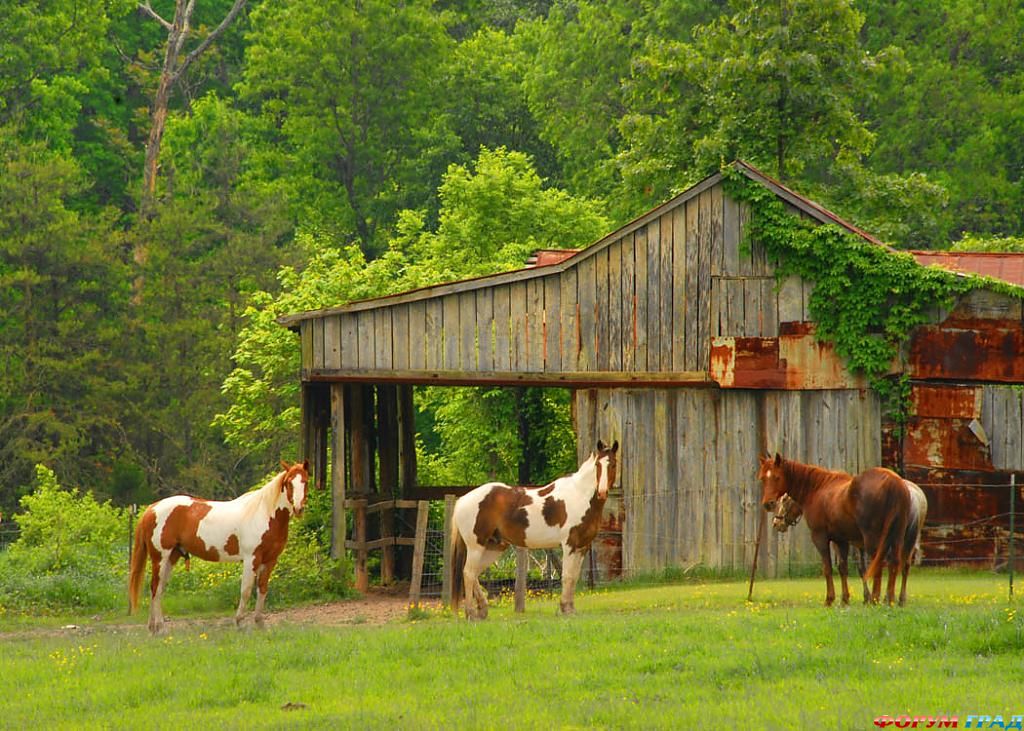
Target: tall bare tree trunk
pixel 174 67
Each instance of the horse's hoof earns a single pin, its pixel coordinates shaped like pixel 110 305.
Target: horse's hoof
pixel 260 624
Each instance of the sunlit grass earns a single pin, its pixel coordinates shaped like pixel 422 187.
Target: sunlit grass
pixel 652 656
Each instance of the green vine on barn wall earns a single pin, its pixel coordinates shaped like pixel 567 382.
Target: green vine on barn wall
pixel 867 298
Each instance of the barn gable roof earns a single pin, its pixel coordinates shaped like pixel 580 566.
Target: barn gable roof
pixel 559 264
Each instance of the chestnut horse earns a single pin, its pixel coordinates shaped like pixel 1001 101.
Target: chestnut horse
pixel 871 510
pixel 788 513
pixel 252 528
pixel 566 512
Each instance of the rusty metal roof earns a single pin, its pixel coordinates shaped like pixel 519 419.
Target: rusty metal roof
pixel 547 257
pixel 1007 267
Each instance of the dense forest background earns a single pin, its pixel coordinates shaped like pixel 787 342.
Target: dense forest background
pixel 175 174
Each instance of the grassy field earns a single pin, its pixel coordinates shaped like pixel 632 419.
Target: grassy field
pixel 694 655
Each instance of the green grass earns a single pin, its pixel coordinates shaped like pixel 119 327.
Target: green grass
pixel 694 655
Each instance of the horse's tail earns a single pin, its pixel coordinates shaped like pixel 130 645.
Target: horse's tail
pixel 894 529
pixel 458 563
pixel 138 564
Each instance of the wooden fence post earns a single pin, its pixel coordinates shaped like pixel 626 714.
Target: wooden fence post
pixel 522 565
pixel 446 571
pixel 362 576
pixel 418 551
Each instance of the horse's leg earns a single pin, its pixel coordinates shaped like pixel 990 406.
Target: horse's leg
pixel 843 552
pixel 477 559
pixel 572 563
pixel 903 580
pixel 248 579
pixel 821 542
pixel 862 566
pixel 262 582
pixel 894 570
pixel 161 575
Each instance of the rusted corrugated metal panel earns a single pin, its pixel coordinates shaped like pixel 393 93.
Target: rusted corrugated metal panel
pixel 795 361
pixel 950 443
pixel 945 401
pixel 1008 267
pixel 971 350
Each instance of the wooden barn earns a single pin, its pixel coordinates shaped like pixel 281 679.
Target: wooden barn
pixel 696 358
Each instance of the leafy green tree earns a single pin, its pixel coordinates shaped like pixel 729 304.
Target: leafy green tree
pixel 352 96
pixel 63 294
pixel 491 216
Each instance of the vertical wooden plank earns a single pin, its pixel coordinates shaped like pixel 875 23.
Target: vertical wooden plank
pixel 730 238
pixel 452 330
pixel 552 325
pixel 417 318
pixel 467 332
pixel 693 304
pixel 367 342
pixel 306 344
pixel 502 329
pixel 717 232
pixel 406 440
pixel 400 343
pixel 339 472
pixel 710 228
pixel 349 341
pixel 665 286
pixel 569 328
pixel 485 328
pixel 383 332
pixel 418 552
pixel 654 243
pixel 640 260
pixel 534 319
pixel 707 492
pixel 433 340
pixel 627 315
pixel 362 581
pixel 586 285
pixel 791 299
pixel 664 484
pixel 319 358
pixel 332 342
pixel 613 346
pixel 601 308
pixel 522 564
pixel 446 574
pixel 679 304
pixel 752 307
pixel 517 301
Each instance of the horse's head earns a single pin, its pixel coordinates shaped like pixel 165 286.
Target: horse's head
pixel 773 480
pixel 607 467
pixel 296 479
pixel 787 512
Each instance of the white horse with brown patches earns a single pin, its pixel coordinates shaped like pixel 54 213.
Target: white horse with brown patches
pixel 252 529
pixel 565 513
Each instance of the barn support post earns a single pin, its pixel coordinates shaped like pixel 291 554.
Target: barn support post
pixel 361 438
pixel 406 464
pixel 307 407
pixel 522 565
pixel 388 452
pixel 339 471
pixel 446 574
pixel 1013 525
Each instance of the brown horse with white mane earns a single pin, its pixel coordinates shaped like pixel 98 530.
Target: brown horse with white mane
pixel 872 511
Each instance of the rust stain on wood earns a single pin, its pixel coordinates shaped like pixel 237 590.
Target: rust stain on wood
pixel 944 401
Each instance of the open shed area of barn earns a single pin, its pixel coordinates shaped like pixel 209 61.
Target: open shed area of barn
pixel 678 337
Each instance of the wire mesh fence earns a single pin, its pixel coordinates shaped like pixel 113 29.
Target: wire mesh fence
pixel 8 534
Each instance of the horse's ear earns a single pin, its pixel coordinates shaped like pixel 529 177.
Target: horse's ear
pixel 615 446
pixel 305 465
pixel 600 446
pixel 778 459
pixel 285 465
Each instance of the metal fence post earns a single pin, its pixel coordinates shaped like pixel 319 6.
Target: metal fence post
pixel 1013 525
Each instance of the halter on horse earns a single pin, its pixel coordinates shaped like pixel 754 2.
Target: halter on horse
pixel 567 512
pixel 872 511
pixel 252 528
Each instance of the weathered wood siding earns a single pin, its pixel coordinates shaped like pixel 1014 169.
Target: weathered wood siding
pixel 688 493
pixel 646 301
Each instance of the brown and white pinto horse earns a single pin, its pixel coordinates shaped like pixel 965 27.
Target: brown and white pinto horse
pixel 871 510
pixel 252 528
pixel 567 512
pixel 788 513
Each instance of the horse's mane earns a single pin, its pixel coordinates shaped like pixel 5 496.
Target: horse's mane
pixel 805 479
pixel 265 498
